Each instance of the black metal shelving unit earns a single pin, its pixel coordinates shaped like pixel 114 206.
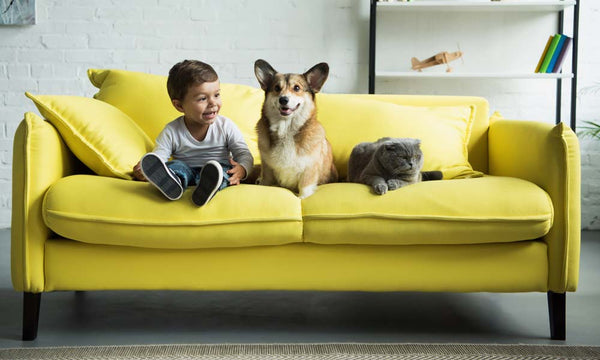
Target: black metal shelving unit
pixel 559 100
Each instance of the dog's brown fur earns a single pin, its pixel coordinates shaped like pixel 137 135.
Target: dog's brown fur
pixel 294 151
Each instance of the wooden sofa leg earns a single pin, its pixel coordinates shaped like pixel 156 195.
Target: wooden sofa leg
pixel 557 309
pixel 31 315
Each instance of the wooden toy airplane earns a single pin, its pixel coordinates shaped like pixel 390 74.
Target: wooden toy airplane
pixel 443 57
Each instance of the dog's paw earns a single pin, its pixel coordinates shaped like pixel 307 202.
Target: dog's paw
pixel 307 191
pixel 380 189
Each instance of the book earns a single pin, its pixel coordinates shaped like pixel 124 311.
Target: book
pixel 556 52
pixel 549 53
pixel 539 64
pixel 563 54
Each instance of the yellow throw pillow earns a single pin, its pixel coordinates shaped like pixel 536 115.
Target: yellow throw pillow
pixel 142 96
pixel 444 131
pixel 104 138
pixel 145 99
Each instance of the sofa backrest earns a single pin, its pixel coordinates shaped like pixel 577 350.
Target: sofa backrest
pixel 442 122
pixel 452 130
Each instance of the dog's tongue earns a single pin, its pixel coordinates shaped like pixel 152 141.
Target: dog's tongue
pixel 284 110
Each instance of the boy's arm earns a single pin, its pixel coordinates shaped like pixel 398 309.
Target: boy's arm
pixel 238 147
pixel 164 144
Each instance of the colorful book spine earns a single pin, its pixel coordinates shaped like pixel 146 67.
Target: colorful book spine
pixel 555 54
pixel 563 54
pixel 549 53
pixel 539 64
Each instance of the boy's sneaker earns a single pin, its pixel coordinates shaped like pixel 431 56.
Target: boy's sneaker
pixel 211 177
pixel 159 175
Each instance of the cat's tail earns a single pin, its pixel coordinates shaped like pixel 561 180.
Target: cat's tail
pixel 431 175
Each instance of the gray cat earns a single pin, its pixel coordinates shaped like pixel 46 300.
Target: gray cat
pixel 388 164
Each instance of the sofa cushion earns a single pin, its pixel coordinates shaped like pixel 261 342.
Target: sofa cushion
pixel 104 138
pixel 145 99
pixel 444 131
pixel 141 96
pixel 463 211
pixel 101 210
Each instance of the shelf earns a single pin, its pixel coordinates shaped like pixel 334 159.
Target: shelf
pixel 418 8
pixel 511 5
pixel 457 75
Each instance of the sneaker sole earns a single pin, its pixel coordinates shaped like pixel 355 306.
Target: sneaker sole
pixel 211 177
pixel 160 176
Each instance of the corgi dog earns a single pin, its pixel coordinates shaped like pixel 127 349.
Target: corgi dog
pixel 294 151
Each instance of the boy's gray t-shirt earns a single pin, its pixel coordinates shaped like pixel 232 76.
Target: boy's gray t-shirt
pixel 223 140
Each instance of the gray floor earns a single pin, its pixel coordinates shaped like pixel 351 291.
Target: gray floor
pixel 128 317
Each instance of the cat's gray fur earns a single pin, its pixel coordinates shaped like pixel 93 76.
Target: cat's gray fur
pixel 388 164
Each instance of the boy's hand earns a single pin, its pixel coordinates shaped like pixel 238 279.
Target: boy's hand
pixel 137 172
pixel 237 173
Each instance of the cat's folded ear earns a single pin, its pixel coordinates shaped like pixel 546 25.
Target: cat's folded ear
pixel 414 141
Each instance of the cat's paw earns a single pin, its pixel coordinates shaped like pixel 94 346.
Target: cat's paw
pixel 380 189
pixel 394 184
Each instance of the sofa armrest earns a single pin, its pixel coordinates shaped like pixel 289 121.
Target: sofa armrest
pixel 40 158
pixel 548 156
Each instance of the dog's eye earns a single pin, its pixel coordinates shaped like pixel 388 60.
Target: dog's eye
pixel 296 88
pixel 277 88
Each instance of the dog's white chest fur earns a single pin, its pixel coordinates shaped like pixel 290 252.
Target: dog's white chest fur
pixel 283 130
pixel 289 165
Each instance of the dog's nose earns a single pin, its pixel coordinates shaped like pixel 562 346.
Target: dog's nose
pixel 284 100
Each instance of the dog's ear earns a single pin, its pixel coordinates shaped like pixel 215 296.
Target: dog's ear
pixel 316 76
pixel 264 73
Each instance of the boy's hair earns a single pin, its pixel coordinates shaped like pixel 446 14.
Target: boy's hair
pixel 186 73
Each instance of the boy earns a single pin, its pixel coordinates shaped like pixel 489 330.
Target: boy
pixel 201 142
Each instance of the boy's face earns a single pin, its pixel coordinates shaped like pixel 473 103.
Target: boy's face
pixel 201 103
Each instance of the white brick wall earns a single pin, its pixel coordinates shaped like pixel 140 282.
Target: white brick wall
pixel 151 35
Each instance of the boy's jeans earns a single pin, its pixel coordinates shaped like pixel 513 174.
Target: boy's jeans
pixel 190 176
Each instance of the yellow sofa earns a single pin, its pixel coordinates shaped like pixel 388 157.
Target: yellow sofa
pixel 506 217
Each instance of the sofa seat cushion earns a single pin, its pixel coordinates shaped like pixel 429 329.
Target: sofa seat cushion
pixel 461 211
pixel 103 210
